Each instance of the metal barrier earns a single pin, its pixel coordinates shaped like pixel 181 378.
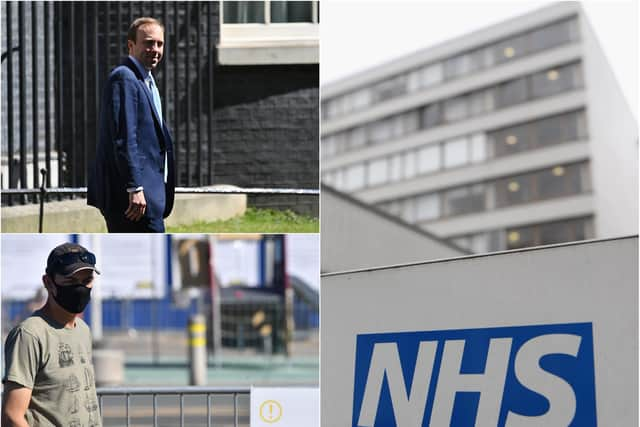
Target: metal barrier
pixel 181 392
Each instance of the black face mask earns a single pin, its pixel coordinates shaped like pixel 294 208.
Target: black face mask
pixel 73 298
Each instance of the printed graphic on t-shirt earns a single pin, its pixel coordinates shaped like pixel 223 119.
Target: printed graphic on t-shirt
pixel 65 355
pixel 74 406
pixel 72 384
pixel 88 378
pixel 92 408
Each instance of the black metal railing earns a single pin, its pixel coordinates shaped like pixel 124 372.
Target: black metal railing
pixel 55 59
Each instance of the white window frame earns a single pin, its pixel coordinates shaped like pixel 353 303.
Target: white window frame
pixel 269 43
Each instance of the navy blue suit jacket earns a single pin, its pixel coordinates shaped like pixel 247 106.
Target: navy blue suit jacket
pixel 131 148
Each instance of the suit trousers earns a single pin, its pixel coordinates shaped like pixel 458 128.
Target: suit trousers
pixel 120 224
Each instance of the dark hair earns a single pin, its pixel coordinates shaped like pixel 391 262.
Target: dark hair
pixel 133 29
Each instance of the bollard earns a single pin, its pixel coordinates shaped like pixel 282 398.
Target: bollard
pixel 197 350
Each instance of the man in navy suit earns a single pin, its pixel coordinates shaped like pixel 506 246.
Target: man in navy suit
pixel 133 179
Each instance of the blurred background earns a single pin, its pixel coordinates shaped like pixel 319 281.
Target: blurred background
pixel 254 298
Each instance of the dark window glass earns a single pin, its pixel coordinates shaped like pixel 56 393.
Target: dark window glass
pixel 550 36
pixel 521 237
pixel 465 200
pixel 512 140
pixel 389 89
pixel 512 191
pixel 557 181
pixel 512 92
pixel 554 80
pixel 541 133
pixel 556 232
pixel 555 130
pixel 431 115
pixel 243 12
pixel 291 11
pixel 508 50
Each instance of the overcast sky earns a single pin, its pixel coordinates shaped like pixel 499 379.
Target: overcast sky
pixel 359 34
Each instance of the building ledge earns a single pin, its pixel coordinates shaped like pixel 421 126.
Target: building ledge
pixel 260 52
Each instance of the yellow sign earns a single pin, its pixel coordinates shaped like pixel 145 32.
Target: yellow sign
pixel 270 411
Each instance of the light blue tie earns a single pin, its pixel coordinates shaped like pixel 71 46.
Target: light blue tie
pixel 156 95
pixel 158 104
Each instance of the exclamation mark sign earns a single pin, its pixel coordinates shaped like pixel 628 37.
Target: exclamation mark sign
pixel 270 411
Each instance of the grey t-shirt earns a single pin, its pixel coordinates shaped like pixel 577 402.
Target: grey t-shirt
pixel 55 363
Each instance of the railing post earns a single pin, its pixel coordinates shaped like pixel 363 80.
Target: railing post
pixel 197 350
pixel 43 192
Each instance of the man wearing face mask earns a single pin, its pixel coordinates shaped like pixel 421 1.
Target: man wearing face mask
pixel 49 377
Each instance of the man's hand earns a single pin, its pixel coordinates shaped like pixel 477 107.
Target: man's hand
pixel 137 206
pixel 15 402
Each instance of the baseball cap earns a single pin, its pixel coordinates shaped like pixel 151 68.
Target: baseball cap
pixel 69 258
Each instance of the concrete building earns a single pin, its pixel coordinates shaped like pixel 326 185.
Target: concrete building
pixel 512 136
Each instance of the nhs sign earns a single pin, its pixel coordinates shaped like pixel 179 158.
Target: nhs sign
pixel 540 375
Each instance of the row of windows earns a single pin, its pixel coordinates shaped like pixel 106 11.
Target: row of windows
pixel 527 236
pixel 559 181
pixel 265 12
pixel 468 62
pixel 461 151
pixel 542 84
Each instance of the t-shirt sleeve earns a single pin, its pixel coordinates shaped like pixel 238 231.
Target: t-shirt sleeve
pixel 22 356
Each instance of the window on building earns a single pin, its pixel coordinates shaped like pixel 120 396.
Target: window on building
pixel 243 12
pixel 427 207
pixel 389 89
pixel 513 190
pixel 455 109
pixel 557 181
pixel 328 147
pixel 381 131
pixel 554 80
pixel 458 66
pixel 410 122
pixel 377 172
pixel 269 32
pixel 511 93
pixel 511 140
pixel 481 102
pixel 410 162
pixel 549 233
pixel 431 115
pixel 508 50
pixel 553 35
pixel 428 159
pixel 520 237
pixel 426 76
pixel 478 148
pixel 361 99
pixel 357 137
pixel 480 243
pixel 396 167
pixel 354 177
pixel 409 210
pixel 464 200
pixel 456 152
pixel 291 11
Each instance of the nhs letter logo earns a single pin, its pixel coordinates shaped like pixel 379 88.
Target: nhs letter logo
pixel 510 376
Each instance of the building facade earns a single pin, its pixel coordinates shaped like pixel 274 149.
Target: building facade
pixel 239 85
pixel 512 136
